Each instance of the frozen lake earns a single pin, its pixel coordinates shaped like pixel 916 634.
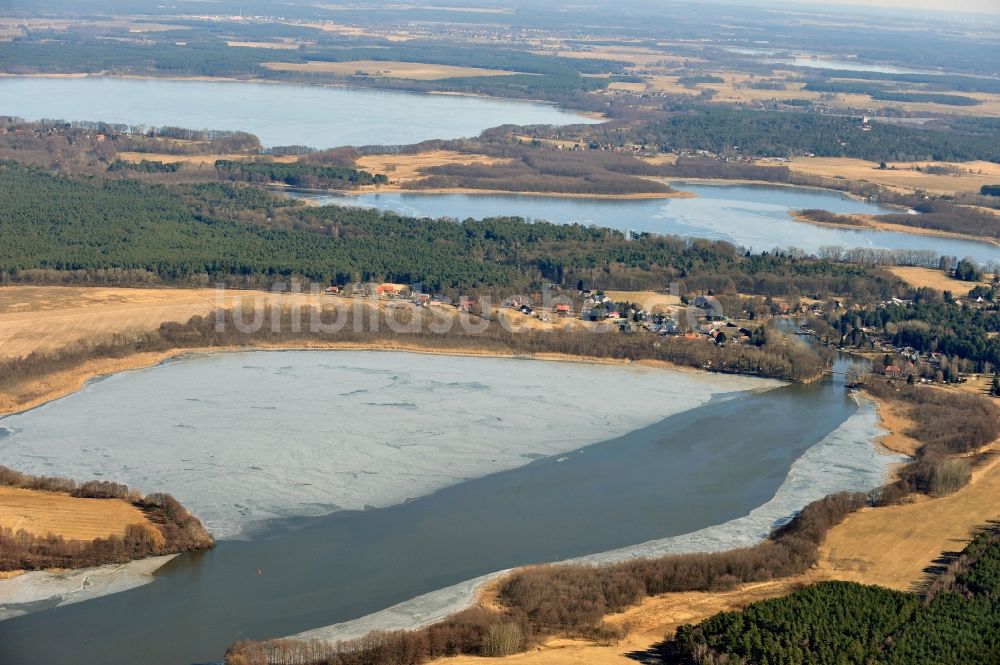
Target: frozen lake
pixel 444 469
pixel 240 438
pixel 851 65
pixel 279 114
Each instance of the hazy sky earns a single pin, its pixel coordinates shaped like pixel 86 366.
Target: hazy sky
pixel 982 6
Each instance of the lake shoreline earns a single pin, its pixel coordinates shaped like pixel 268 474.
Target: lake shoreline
pixel 481 592
pixel 26 592
pixel 872 223
pixel 44 583
pixel 660 615
pixel 764 183
pixel 754 216
pixel 592 115
pixel 65 382
pixel 390 189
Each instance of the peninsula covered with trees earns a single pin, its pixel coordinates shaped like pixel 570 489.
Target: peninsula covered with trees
pixel 168 529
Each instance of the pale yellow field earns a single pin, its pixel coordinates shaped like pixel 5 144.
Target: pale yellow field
pixel 520 321
pixel 628 87
pixel 736 90
pixel 892 546
pixel 895 418
pixel 624 51
pixel 661 158
pixel 405 168
pixel 338 28
pixel 904 176
pixel 407 70
pixel 42 513
pixel 647 624
pixel 645 299
pixel 990 105
pixel 45 318
pixel 41 318
pixel 167 158
pixel 402 169
pixel 930 278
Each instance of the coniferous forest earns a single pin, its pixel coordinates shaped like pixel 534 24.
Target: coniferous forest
pixel 63 229
pixel 956 621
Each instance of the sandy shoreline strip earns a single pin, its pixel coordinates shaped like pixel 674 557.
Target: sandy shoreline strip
pixel 394 189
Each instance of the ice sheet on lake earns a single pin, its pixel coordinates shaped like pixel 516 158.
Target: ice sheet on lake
pixel 845 460
pixel 38 590
pixel 250 436
pixel 409 615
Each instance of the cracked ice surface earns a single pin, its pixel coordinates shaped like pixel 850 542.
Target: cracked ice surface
pixel 250 436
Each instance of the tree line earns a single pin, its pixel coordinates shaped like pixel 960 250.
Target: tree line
pixel 884 92
pixel 144 166
pixel 297 174
pixel 936 216
pixel 948 426
pixel 544 171
pixel 929 324
pixel 689 127
pixel 365 323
